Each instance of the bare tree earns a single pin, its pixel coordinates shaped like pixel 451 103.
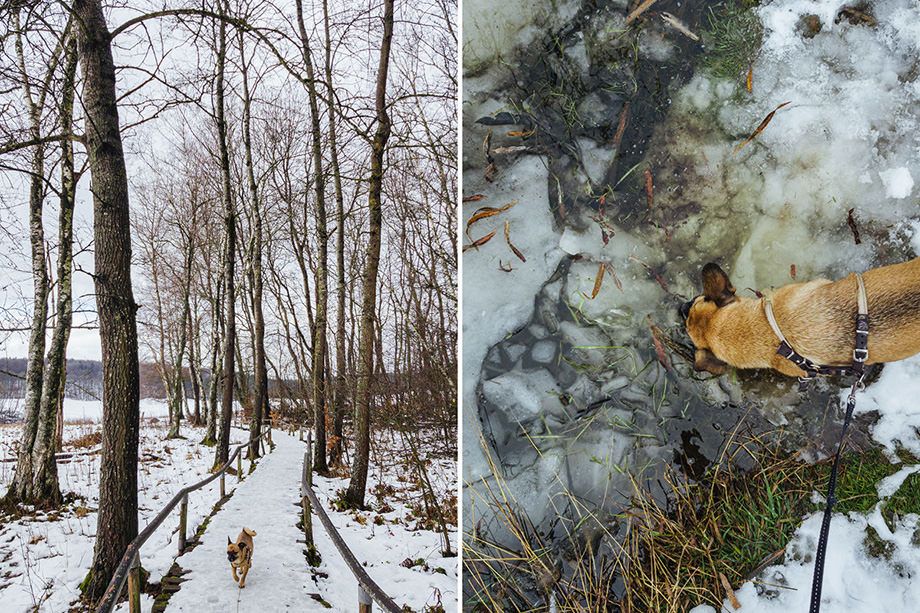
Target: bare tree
pixel 229 348
pixel 117 520
pixel 356 487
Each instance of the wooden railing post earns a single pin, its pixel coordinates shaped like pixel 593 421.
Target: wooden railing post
pixel 301 433
pixel 223 486
pixel 183 522
pixel 365 603
pixel 306 481
pixel 239 467
pixel 134 585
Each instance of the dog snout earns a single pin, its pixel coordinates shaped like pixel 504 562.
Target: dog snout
pixel 231 556
pixel 684 310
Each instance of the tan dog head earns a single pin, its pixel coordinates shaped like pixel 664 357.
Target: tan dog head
pixel 234 550
pixel 698 314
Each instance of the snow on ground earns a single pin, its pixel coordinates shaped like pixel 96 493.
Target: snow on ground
pixel 384 548
pixel 44 557
pixel 854 581
pixel 267 502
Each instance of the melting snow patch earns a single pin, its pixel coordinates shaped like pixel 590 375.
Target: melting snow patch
pixel 854 582
pixel 898 182
pixel 895 396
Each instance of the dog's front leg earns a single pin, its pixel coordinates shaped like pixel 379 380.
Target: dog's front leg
pixel 236 579
pixel 243 578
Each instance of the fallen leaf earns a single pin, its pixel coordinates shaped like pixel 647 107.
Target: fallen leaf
pixel 561 204
pixel 479 242
pixel 621 126
pixel 749 83
pixel 729 592
pixel 522 133
pixel 679 25
pixel 474 198
pixel 485 212
pixel 490 172
pixel 616 279
pixel 512 149
pixel 851 221
pixel 516 251
pixel 649 189
pixel 660 352
pixel 763 124
pixel 639 10
pixel 598 281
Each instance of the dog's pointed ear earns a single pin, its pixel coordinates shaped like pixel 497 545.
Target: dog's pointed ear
pixel 716 285
pixel 229 542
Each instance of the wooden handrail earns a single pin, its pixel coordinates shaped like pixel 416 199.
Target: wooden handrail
pixel 131 558
pixel 367 588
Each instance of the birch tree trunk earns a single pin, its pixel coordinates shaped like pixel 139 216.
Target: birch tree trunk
pixel 356 487
pixel 318 376
pixel 260 406
pixel 117 520
pixel 45 479
pixel 340 387
pixel 21 487
pixel 223 444
pixel 35 481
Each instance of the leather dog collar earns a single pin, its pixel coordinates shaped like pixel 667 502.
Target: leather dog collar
pixel 812 370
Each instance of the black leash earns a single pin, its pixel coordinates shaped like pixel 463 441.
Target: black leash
pixel 857 369
pixel 818 578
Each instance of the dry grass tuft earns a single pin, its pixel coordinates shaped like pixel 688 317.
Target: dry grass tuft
pixel 704 539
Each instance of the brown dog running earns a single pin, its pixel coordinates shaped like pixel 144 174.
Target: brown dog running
pixel 240 555
pixel 818 319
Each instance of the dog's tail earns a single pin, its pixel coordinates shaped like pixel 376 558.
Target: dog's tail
pixel 249 531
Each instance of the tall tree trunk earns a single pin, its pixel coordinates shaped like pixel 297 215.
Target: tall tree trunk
pixel 117 520
pixel 34 481
pixel 45 480
pixel 356 487
pixel 194 357
pixel 260 406
pixel 21 487
pixel 340 386
pixel 318 376
pixel 223 445
pixel 177 395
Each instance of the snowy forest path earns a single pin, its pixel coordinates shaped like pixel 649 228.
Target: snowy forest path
pixel 267 501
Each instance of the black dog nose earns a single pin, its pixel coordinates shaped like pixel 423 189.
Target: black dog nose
pixel 684 310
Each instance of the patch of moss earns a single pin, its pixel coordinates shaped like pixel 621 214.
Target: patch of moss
pixel 875 546
pixel 906 500
pixel 733 38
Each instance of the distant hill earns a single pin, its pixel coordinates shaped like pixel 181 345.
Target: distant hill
pixel 84 379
